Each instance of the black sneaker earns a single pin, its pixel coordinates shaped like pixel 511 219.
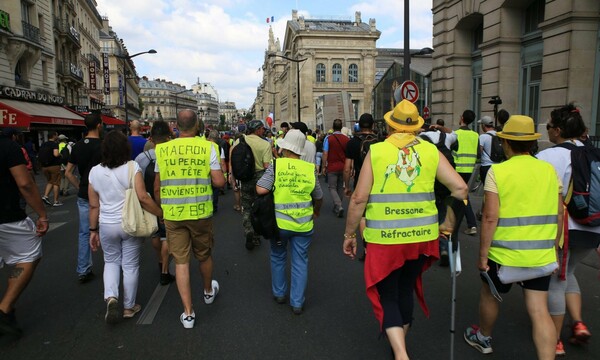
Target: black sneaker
pixel 8 324
pixel 250 241
pixel 444 258
pixel 280 299
pixel 86 277
pixel 46 200
pixel 340 213
pixel 166 279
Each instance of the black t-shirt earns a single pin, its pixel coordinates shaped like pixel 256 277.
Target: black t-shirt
pixel 86 154
pixel 52 145
pixel 11 155
pixel 353 152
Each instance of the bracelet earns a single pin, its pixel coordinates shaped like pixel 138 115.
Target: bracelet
pixel 349 236
pixel 93 229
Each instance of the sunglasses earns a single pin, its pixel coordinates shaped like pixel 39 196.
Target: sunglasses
pixel 549 126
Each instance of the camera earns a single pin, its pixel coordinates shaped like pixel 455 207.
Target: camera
pixel 495 100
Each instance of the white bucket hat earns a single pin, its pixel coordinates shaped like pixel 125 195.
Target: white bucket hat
pixel 293 141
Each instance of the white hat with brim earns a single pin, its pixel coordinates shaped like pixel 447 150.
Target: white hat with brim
pixel 293 141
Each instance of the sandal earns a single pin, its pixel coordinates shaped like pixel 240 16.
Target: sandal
pixel 129 313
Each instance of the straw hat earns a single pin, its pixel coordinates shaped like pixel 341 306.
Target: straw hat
pixel 293 141
pixel 404 117
pixel 519 128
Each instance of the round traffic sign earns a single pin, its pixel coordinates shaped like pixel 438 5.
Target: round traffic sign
pixel 426 112
pixel 409 91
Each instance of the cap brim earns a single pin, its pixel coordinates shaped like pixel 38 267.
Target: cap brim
pixel 283 144
pixel 396 126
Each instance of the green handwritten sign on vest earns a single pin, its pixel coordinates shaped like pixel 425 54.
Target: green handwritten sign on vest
pixel 4 20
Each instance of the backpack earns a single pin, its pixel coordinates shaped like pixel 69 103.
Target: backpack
pixel 365 144
pixel 149 175
pixel 262 214
pixel 46 154
pixel 242 161
pixel 64 155
pixel 496 153
pixel 583 197
pixel 441 146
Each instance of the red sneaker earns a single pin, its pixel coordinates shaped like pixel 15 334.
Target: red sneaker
pixel 560 348
pixel 581 334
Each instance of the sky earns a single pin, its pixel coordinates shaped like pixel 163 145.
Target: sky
pixel 223 42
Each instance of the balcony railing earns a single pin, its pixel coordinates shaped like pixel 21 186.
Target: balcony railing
pixel 30 32
pixel 93 58
pixel 68 31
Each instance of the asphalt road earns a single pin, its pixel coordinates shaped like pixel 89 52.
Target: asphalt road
pixel 63 319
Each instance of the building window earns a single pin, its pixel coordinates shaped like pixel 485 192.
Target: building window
pixel 355 109
pixel 477 37
pixel 353 73
pixel 44 71
pixel 25 11
pixel 320 72
pixel 336 73
pixel 532 79
pixel 534 15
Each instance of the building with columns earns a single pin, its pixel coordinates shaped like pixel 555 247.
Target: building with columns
pixel 162 99
pixel 324 56
pixel 535 54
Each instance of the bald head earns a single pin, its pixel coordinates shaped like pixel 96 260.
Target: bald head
pixel 135 126
pixel 187 121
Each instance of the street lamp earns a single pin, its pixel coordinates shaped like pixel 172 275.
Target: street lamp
pixel 297 61
pixel 127 58
pixel 262 112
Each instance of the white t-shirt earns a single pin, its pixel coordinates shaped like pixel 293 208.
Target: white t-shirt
pixel 110 184
pixel 560 158
pixel 435 137
pixel 485 141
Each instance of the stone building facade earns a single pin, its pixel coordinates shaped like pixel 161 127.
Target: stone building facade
pixel 325 57
pixel 535 54
pixel 162 99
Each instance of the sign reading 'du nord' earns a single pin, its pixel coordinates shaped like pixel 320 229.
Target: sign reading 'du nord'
pixel 28 95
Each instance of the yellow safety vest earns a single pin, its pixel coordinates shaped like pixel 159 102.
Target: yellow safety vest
pixel 61 145
pixel 527 223
pixel 466 155
pixel 401 207
pixel 185 184
pixel 294 182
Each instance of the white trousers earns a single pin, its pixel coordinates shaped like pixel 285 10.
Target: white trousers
pixel 121 251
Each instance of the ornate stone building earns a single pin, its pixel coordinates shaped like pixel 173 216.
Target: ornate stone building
pixel 535 54
pixel 162 99
pixel 321 57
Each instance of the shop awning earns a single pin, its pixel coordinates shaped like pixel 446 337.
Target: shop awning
pixel 23 114
pixel 109 120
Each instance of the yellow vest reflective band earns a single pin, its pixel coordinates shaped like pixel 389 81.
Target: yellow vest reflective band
pixel 185 185
pixel 294 182
pixel 466 156
pixel 527 223
pixel 401 207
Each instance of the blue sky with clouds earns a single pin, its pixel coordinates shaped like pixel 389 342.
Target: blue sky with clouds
pixel 223 41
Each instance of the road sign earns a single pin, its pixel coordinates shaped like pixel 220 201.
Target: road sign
pixel 426 112
pixel 409 91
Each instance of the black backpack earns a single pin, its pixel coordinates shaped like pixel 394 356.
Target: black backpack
pixel 149 175
pixel 262 214
pixel 441 146
pixel 64 155
pixel 46 154
pixel 496 153
pixel 242 161
pixel 365 144
pixel 583 197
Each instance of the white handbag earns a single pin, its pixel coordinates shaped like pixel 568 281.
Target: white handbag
pixel 135 220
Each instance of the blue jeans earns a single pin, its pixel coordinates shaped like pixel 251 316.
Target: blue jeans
pixel 299 269
pixel 84 252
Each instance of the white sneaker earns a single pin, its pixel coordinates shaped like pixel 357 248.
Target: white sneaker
pixel 188 320
pixel 471 231
pixel 210 297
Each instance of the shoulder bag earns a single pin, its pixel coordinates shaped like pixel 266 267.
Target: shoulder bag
pixel 135 220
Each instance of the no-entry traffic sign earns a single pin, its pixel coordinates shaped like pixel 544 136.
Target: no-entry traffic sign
pixel 409 91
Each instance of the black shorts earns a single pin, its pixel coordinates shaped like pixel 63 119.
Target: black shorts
pixel 540 284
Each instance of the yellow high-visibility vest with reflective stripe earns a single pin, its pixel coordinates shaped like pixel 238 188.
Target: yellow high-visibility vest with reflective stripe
pixel 528 214
pixel 401 207
pixel 466 155
pixel 294 182
pixel 185 183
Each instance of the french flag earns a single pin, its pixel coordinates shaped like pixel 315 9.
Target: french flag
pixel 270 119
pixel 271 19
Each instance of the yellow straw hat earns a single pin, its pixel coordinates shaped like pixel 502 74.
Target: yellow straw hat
pixel 404 117
pixel 519 128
